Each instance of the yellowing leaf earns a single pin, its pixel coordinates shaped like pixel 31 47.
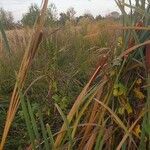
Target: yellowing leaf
pixel 138 94
pixel 137 130
pixel 128 108
pixel 115 92
pixel 119 90
pixel 139 81
pixel 121 110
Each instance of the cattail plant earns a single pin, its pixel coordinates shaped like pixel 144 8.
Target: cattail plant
pixel 22 74
pixel 112 110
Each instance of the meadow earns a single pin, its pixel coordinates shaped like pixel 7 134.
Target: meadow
pixel 77 85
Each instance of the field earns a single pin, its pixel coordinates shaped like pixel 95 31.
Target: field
pixel 81 85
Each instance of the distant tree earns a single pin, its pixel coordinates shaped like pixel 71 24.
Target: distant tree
pixel 79 18
pixel 68 16
pixel 30 17
pixel 63 18
pixel 71 13
pixel 88 15
pixel 6 19
pixel 113 15
pixel 51 14
pixel 99 17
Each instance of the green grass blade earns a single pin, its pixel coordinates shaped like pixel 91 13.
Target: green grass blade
pixel 67 126
pixel 142 144
pixel 99 140
pixel 44 133
pixel 90 97
pixel 5 39
pixel 50 135
pixel 27 120
pixel 33 121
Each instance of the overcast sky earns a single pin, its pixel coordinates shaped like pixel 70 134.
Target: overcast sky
pixel 18 7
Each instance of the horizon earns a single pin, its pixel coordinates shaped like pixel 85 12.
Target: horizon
pixel 95 7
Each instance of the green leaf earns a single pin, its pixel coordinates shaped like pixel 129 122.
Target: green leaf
pixel 5 39
pixel 44 133
pixel 67 126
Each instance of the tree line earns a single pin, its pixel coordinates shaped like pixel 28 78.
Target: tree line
pixel 53 19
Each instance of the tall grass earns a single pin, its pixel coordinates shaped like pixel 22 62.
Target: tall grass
pixel 26 62
pixel 116 94
pixel 57 74
pixel 7 47
pixel 112 109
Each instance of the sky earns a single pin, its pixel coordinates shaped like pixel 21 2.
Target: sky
pixel 103 7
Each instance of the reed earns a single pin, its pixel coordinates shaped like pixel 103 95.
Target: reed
pixel 112 110
pixel 22 73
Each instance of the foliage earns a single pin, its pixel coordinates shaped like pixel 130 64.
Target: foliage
pixel 99 17
pixel 68 16
pixel 6 19
pixel 29 18
pixel 58 72
pixel 64 107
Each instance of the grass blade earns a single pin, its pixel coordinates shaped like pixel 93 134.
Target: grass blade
pixel 44 133
pixel 22 74
pixel 67 126
pixel 27 119
pixel 5 39
pixel 33 122
pixel 50 136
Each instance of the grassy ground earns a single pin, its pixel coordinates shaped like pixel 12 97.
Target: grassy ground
pixel 87 87
pixel 62 66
